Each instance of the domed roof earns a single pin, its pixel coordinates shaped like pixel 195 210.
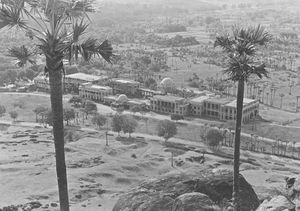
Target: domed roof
pixel 167 82
pixel 122 98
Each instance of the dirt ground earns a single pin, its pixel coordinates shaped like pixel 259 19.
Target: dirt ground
pixel 97 173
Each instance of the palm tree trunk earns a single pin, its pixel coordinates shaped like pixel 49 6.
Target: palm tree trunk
pixel 55 78
pixel 239 113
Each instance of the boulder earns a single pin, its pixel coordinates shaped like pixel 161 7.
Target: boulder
pixel 193 202
pixel 160 194
pixel 293 187
pixel 278 203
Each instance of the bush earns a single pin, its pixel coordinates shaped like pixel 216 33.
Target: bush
pixel 214 137
pixel 176 117
pixel 13 115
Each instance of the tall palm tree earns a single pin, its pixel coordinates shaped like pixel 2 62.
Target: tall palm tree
pixel 56 26
pixel 281 95
pixel 241 48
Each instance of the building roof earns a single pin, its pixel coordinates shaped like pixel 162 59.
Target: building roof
pixel 41 77
pixel 199 99
pixel 95 87
pixel 136 102
pixel 167 98
pixel 122 98
pixel 246 102
pixel 167 82
pixel 219 100
pixel 152 91
pixel 86 77
pixel 111 97
pixel 125 81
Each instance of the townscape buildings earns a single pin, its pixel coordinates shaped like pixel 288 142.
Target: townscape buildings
pixel 115 92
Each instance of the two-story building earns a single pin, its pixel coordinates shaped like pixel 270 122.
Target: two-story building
pixel 73 81
pixel 123 86
pixel 169 104
pixel 94 92
pixel 250 110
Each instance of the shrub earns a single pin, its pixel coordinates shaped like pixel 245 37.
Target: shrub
pixel 214 137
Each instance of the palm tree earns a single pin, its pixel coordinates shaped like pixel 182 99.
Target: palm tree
pixel 54 24
pixel 241 48
pixel 281 97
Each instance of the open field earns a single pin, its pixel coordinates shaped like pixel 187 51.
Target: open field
pixel 97 174
pixel 24 104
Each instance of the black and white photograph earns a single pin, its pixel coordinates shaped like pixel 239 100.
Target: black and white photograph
pixel 149 105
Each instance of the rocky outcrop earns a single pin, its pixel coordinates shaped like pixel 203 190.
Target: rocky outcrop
pixel 193 201
pixel 26 207
pixel 293 187
pixel 278 203
pixel 164 193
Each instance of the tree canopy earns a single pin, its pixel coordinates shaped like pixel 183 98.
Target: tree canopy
pixel 166 129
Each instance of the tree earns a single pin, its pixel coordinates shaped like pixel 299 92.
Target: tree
pixel 2 110
pixel 56 26
pixel 151 83
pixel 13 115
pixel 38 110
pixel 241 48
pixel 135 109
pixel 116 123
pixel 129 124
pixel 99 120
pixel 214 137
pixel 166 129
pixel 89 108
pixel 48 117
pixel 281 95
pixel 76 101
pixel 69 114
pixel 176 117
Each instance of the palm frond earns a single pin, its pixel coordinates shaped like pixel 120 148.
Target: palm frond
pixel 11 16
pixel 106 51
pixel 255 35
pixel 76 9
pixel 260 71
pixel 22 54
pixel 78 29
pixel 91 47
pixel 225 42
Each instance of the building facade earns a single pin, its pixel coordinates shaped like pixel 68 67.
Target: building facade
pixel 250 110
pixel 197 106
pixel 42 83
pixel 169 104
pixel 94 92
pixel 73 81
pixel 217 108
pixel 123 86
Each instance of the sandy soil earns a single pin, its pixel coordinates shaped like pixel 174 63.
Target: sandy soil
pixel 97 174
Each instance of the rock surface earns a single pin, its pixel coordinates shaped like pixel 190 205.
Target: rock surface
pixel 293 187
pixel 278 203
pixel 193 201
pixel 160 194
